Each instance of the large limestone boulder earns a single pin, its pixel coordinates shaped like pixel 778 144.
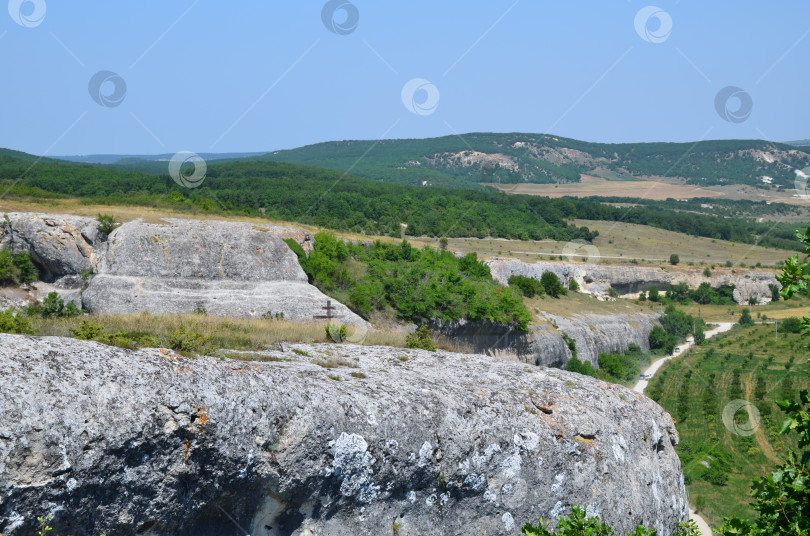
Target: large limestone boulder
pixel 61 245
pixel 146 442
pixel 175 266
pixel 226 268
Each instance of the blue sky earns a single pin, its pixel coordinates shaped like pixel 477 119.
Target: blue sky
pixel 261 75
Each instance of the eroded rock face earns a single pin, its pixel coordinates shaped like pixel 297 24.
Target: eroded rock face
pixel 177 266
pixel 628 280
pixel 106 439
pixel 62 245
pixel 545 344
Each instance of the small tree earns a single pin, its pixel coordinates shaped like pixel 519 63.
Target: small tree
pixel 700 335
pixel 661 340
pixel 443 242
pixel 654 296
pixel 745 318
pixel 674 259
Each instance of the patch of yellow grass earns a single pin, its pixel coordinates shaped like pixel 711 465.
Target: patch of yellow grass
pixel 228 333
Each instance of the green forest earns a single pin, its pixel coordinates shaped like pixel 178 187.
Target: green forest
pixel 412 161
pixel 339 201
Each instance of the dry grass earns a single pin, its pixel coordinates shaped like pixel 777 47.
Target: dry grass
pixel 796 307
pixel 577 303
pixel 621 243
pixel 597 186
pixel 229 333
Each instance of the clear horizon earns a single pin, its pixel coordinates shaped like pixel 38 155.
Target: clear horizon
pixel 157 78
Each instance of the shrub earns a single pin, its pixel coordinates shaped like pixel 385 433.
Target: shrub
pixel 420 285
pixel 579 523
pixel 573 286
pixel 653 294
pixel 106 223
pixel 674 259
pixel 87 331
pixel 707 272
pixel 791 325
pixel 53 306
pixel 551 284
pixel 421 338
pixel 125 339
pixel 16 269
pixel 715 475
pixel 12 321
pixel 336 333
pixel 580 367
pixel 189 342
pixel 528 286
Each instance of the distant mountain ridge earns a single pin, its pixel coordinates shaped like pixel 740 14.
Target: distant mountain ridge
pixel 469 160
pixel 130 158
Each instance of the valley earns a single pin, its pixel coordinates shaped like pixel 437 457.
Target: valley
pixel 354 268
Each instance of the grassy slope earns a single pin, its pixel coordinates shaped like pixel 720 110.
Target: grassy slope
pixel 704 435
pixel 620 243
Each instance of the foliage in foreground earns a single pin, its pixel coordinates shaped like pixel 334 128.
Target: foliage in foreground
pixel 579 524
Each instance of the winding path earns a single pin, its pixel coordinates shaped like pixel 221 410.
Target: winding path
pixel 653 368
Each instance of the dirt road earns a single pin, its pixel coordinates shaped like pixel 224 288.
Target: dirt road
pixel 653 368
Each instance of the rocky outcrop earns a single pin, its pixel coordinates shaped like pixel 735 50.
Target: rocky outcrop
pixel 545 343
pixel 176 266
pixel 629 280
pixel 599 333
pixel 146 442
pixel 61 245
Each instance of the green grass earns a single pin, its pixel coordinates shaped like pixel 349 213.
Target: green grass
pixel 706 377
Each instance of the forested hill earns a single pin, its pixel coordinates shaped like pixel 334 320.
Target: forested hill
pixel 470 159
pixel 304 194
